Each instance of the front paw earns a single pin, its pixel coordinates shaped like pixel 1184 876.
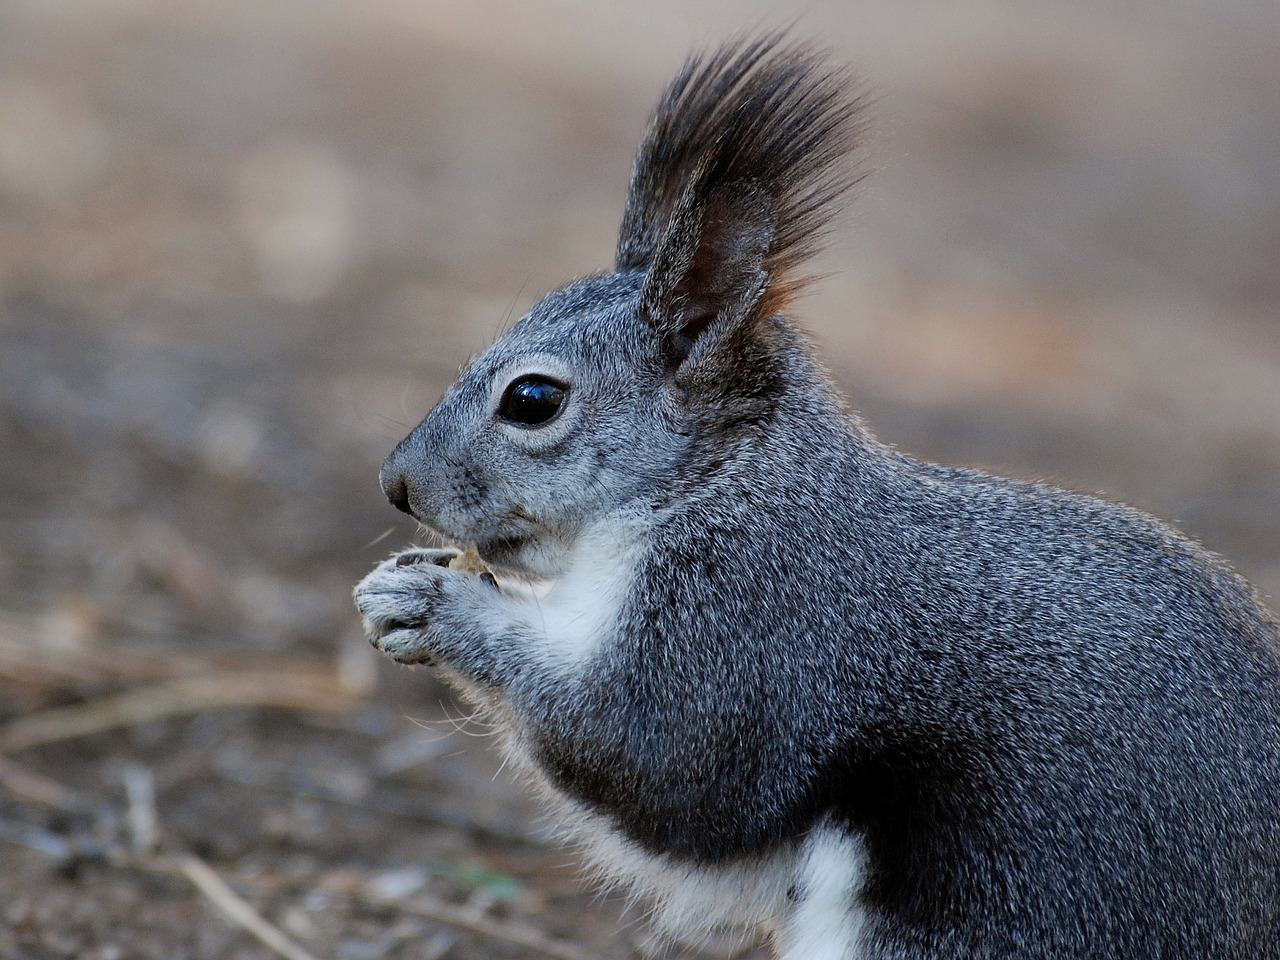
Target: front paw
pixel 401 601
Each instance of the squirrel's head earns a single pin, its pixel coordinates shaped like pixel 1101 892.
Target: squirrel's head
pixel 616 392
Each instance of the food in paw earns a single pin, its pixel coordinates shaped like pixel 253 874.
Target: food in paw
pixel 469 562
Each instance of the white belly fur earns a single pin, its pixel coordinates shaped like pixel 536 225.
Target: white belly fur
pixel 803 896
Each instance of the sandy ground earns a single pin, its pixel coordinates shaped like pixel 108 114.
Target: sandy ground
pixel 243 248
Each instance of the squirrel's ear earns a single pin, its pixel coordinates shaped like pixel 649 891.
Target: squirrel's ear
pixel 736 183
pixel 709 266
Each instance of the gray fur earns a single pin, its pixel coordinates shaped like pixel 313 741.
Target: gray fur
pixel 728 622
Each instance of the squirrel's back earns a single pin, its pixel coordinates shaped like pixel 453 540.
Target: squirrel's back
pixel 1098 700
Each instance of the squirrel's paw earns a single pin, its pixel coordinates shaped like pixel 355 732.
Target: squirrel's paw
pixel 401 600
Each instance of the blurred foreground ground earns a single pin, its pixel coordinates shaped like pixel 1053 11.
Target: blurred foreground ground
pixel 242 251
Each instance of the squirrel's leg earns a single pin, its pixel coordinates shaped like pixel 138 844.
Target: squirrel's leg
pixel 418 610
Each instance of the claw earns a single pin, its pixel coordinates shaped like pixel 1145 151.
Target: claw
pixel 411 558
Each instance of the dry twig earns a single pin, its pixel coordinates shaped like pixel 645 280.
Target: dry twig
pixel 25 659
pixel 226 900
pixel 297 690
pixel 37 787
pixel 519 935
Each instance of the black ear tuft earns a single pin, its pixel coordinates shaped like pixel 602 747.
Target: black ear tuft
pixel 737 180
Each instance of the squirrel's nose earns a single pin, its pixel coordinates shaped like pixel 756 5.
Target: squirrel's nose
pixel 397 491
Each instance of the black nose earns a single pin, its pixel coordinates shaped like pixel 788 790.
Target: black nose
pixel 397 491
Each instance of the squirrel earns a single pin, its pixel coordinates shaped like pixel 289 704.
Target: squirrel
pixel 781 679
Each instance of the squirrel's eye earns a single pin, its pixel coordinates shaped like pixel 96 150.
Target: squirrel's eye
pixel 532 401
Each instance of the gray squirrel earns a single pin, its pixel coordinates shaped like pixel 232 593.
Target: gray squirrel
pixel 779 677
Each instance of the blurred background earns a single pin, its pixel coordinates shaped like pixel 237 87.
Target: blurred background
pixel 244 247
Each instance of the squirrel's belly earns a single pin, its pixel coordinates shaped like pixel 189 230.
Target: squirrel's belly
pixel 803 895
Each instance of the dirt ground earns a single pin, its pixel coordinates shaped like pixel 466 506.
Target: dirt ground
pixel 243 248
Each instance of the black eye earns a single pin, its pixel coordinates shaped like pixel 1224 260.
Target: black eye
pixel 532 401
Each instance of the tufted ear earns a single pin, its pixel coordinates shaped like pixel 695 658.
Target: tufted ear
pixel 708 274
pixel 735 184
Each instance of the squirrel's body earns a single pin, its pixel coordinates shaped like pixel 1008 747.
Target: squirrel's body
pixel 781 675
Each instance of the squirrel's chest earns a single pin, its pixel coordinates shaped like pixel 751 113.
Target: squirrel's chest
pixel 573 616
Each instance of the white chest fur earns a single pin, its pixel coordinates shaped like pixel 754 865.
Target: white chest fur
pixel 572 615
